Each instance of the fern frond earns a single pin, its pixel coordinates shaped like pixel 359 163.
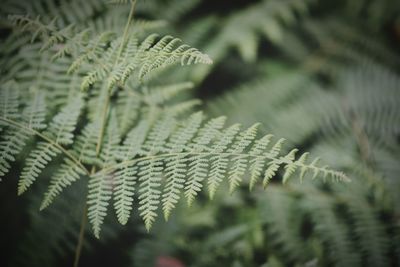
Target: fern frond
pixel 66 12
pixel 280 211
pixel 332 231
pixel 171 10
pixel 126 178
pixel 128 110
pixel 100 192
pixel 371 235
pixel 176 166
pixel 240 163
pixel 60 131
pixel 159 134
pixel 110 148
pixel 159 95
pixel 86 144
pixel 93 50
pixel 25 23
pixel 35 163
pixel 84 149
pixel 68 173
pixel 257 164
pixel 142 59
pixel 198 165
pixel 14 137
pixel 183 107
pixel 219 161
pixel 186 155
pixel 117 64
pixel 9 101
pixel 101 186
pixel 243 30
pixel 290 168
pixel 150 176
pixel 168 51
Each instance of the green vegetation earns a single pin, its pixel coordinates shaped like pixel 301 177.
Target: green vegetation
pixel 99 115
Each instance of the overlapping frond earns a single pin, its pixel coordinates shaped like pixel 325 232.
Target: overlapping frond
pixel 112 59
pixel 17 128
pixel 59 132
pixel 66 12
pixel 332 231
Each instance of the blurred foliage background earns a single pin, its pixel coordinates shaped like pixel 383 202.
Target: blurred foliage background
pixel 322 74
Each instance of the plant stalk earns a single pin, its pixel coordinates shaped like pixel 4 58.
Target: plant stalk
pixel 81 237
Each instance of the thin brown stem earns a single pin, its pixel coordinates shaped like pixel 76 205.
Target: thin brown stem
pixel 81 237
pixel 128 23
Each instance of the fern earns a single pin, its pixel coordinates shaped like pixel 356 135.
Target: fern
pixel 244 30
pixel 370 234
pixel 283 227
pixel 156 154
pixel 93 106
pixel 332 232
pixel 115 63
pixel 61 131
pixel 15 136
pixel 174 148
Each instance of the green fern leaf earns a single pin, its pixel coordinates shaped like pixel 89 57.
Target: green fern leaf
pixel 162 94
pixel 198 166
pixel 219 162
pixel 61 131
pixel 125 179
pixel 175 172
pixel 240 162
pixel 100 192
pixel 93 50
pixel 185 156
pixel 68 173
pixel 150 176
pixel 257 163
pixel 85 151
pixel 86 144
pixel 176 166
pixel 159 134
pixel 290 167
pixel 9 102
pixel 274 164
pixel 15 136
pixel 331 230
pixel 110 147
pixel 168 51
pixel 270 172
pixel 302 161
